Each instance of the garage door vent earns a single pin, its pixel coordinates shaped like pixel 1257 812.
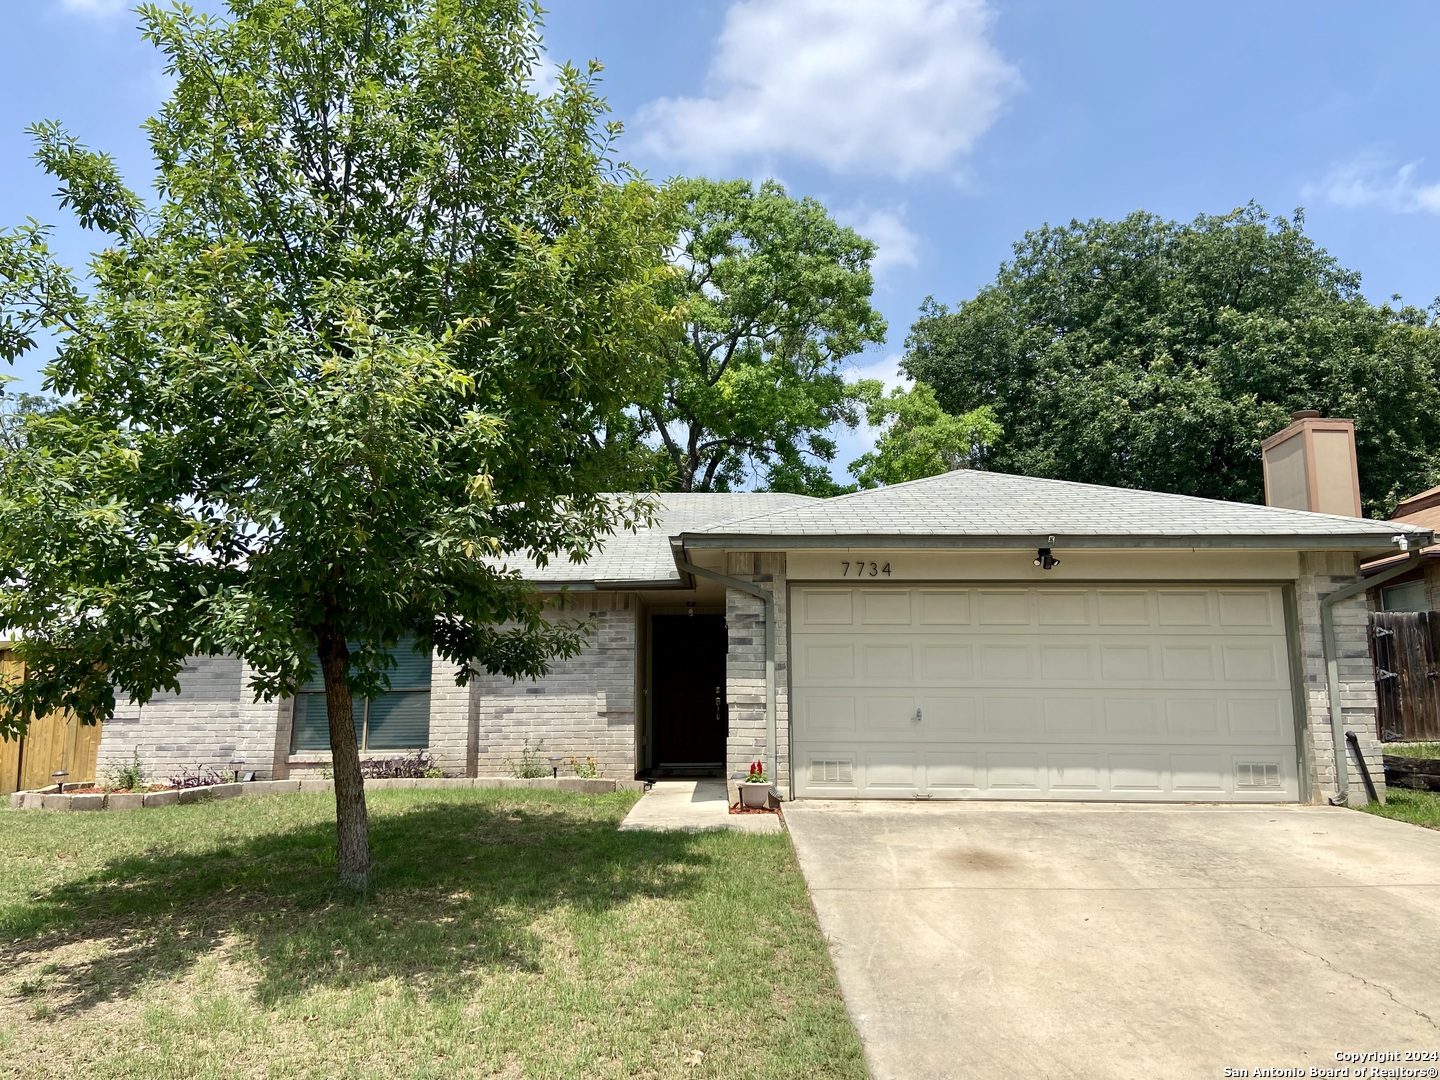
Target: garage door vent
pixel 832 771
pixel 1257 774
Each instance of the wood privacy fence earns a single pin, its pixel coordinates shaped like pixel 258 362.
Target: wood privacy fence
pixel 53 743
pixel 1405 646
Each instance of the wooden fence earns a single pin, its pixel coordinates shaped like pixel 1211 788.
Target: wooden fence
pixel 53 743
pixel 1405 646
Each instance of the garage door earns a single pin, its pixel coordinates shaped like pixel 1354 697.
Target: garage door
pixel 1171 694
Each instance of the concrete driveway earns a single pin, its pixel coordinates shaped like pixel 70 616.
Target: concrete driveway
pixel 1030 940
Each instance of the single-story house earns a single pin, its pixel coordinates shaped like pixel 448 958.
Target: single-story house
pixel 971 635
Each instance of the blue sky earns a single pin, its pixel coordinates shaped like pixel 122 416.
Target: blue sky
pixel 943 129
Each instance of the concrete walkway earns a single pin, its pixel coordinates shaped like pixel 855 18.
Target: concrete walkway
pixel 693 805
pixel 1090 942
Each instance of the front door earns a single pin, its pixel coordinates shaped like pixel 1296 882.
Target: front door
pixel 687 665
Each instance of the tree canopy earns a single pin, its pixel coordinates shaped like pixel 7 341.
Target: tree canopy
pixel 352 348
pixel 773 294
pixel 918 438
pixel 1153 354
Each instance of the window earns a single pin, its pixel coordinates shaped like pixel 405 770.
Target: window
pixel 1407 597
pixel 396 719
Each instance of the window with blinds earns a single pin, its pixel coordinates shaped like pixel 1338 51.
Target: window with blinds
pixel 397 719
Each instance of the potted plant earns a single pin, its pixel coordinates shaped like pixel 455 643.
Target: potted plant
pixel 755 788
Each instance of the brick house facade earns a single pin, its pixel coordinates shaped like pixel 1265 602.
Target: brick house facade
pixel 918 694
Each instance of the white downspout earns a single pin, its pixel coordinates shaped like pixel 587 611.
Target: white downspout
pixel 768 599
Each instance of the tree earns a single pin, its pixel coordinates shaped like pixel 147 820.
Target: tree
pixel 1152 354
pixel 919 438
pixel 353 349
pixel 774 294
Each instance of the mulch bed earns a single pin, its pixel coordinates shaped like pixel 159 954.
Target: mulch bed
pixel 738 809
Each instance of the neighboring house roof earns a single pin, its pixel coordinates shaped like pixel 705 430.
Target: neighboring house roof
pixel 967 508
pixel 1421 511
pixel 643 558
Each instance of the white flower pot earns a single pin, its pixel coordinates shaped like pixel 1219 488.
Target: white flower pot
pixel 754 796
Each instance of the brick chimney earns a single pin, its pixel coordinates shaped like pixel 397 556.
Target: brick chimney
pixel 1311 466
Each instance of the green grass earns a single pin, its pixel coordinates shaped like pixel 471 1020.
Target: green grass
pixel 1419 749
pixel 1416 807
pixel 509 934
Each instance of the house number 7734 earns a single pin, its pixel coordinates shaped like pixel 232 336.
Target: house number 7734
pixel 864 569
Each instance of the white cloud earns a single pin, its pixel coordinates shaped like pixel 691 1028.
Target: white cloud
pixel 895 244
pixel 1374 182
pixel 544 75
pixel 884 368
pixel 98 7
pixel 901 87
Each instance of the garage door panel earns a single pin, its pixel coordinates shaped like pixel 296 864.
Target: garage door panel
pixel 952 773
pixel 1183 608
pixel 1138 773
pixel 1070 716
pixel 1010 715
pixel 947 661
pixel 1076 773
pixel 1067 663
pixel 1063 608
pixel 947 715
pixel 944 607
pixel 1193 718
pixel 888 715
pixel 821 714
pixel 1102 692
pixel 890 772
pixel 826 662
pixel 1008 608
pixel 885 607
pixel 1133 718
pixel 1249 608
pixel 1005 661
pixel 1255 717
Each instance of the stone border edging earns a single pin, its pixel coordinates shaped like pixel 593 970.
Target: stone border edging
pixel 130 800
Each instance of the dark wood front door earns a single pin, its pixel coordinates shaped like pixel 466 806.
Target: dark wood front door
pixel 687 676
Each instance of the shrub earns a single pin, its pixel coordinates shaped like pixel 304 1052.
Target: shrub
pixel 587 769
pixel 405 767
pixel 128 777
pixel 206 777
pixel 530 765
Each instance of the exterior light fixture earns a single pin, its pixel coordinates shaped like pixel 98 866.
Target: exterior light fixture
pixel 555 760
pixel 59 778
pixel 1044 560
pixel 235 764
pixel 690 608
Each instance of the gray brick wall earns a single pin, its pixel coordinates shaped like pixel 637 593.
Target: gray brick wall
pixel 745 665
pixel 210 722
pixel 1322 573
pixel 585 706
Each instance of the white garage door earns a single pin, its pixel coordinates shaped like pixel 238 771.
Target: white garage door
pixel 1178 694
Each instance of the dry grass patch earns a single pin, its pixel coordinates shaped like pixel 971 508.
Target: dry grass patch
pixel 509 934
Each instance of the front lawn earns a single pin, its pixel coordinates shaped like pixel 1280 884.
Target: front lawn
pixel 1403 804
pixel 511 934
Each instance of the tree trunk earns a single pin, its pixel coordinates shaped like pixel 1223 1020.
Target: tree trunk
pixel 352 821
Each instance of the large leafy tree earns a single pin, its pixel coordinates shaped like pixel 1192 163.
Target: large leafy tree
pixel 774 295
pixel 1153 354
pixel 353 347
pixel 917 438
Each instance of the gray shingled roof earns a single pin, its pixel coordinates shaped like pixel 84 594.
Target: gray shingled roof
pixel 969 508
pixel 644 557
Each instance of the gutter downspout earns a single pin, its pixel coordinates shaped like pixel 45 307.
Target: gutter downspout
pixel 768 599
pixel 1332 667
